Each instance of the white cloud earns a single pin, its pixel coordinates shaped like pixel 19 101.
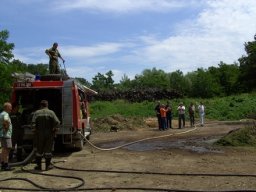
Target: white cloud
pixel 32 55
pixel 92 51
pixel 82 71
pixel 124 6
pixel 229 17
pixel 94 54
pixel 216 35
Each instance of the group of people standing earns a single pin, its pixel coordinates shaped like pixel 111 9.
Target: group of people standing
pixel 164 114
pixel 44 123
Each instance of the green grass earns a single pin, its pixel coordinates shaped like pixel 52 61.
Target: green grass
pixel 242 137
pixel 121 107
pixel 236 107
pixel 226 108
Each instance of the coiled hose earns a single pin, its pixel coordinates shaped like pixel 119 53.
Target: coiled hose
pixel 26 161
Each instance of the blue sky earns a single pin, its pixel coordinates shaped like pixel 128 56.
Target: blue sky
pixel 128 36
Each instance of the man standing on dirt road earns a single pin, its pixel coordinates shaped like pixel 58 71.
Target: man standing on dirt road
pixel 18 132
pixel 191 111
pixel 168 115
pixel 163 111
pixel 158 115
pixel 45 123
pixel 181 113
pixel 201 110
pixel 54 54
pixel 5 136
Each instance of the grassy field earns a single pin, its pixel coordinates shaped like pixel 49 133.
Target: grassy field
pixel 234 107
pixel 127 115
pixel 241 137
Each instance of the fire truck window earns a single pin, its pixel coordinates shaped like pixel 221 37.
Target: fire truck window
pixel 83 111
pixel 81 95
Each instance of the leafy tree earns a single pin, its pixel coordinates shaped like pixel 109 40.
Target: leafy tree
pixel 248 66
pixel 5 47
pixel 227 78
pixel 125 83
pixel 41 69
pixel 98 81
pixel 103 82
pixel 18 66
pixel 5 70
pixel 6 81
pixel 109 80
pixel 152 79
pixel 204 85
pixel 179 82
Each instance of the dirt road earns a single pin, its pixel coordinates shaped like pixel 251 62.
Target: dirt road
pixel 176 159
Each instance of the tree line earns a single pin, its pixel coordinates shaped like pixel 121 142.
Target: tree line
pixel 151 84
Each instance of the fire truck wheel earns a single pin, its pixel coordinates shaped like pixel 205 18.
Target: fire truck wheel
pixel 79 145
pixel 79 142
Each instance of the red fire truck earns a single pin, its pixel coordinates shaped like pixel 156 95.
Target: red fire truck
pixel 66 97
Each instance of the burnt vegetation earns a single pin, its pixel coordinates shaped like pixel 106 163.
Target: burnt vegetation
pixel 134 95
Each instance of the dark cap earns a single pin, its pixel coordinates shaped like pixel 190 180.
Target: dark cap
pixel 44 103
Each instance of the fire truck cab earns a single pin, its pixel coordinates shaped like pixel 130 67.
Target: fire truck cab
pixel 66 97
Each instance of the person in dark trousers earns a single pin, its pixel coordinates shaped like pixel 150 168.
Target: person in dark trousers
pixel 168 115
pixel 45 124
pixel 191 111
pixel 181 112
pixel 54 54
pixel 163 111
pixel 158 115
pixel 17 132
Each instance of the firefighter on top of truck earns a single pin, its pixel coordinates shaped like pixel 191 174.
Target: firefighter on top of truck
pixel 54 54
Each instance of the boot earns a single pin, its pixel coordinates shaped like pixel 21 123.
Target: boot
pixel 48 164
pixel 7 167
pixel 38 164
pixel 2 165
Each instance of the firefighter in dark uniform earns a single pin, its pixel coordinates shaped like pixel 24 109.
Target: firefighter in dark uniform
pixel 158 115
pixel 54 54
pixel 18 132
pixel 45 123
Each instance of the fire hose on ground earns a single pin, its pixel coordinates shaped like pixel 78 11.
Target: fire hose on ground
pixel 78 187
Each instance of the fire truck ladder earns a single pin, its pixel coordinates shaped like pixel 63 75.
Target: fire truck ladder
pixel 67 112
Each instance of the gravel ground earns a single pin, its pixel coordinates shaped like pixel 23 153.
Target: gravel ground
pixel 149 160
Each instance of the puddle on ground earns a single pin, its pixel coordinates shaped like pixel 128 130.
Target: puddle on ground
pixel 191 144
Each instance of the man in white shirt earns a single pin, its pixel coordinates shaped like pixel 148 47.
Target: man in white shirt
pixel 181 112
pixel 201 110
